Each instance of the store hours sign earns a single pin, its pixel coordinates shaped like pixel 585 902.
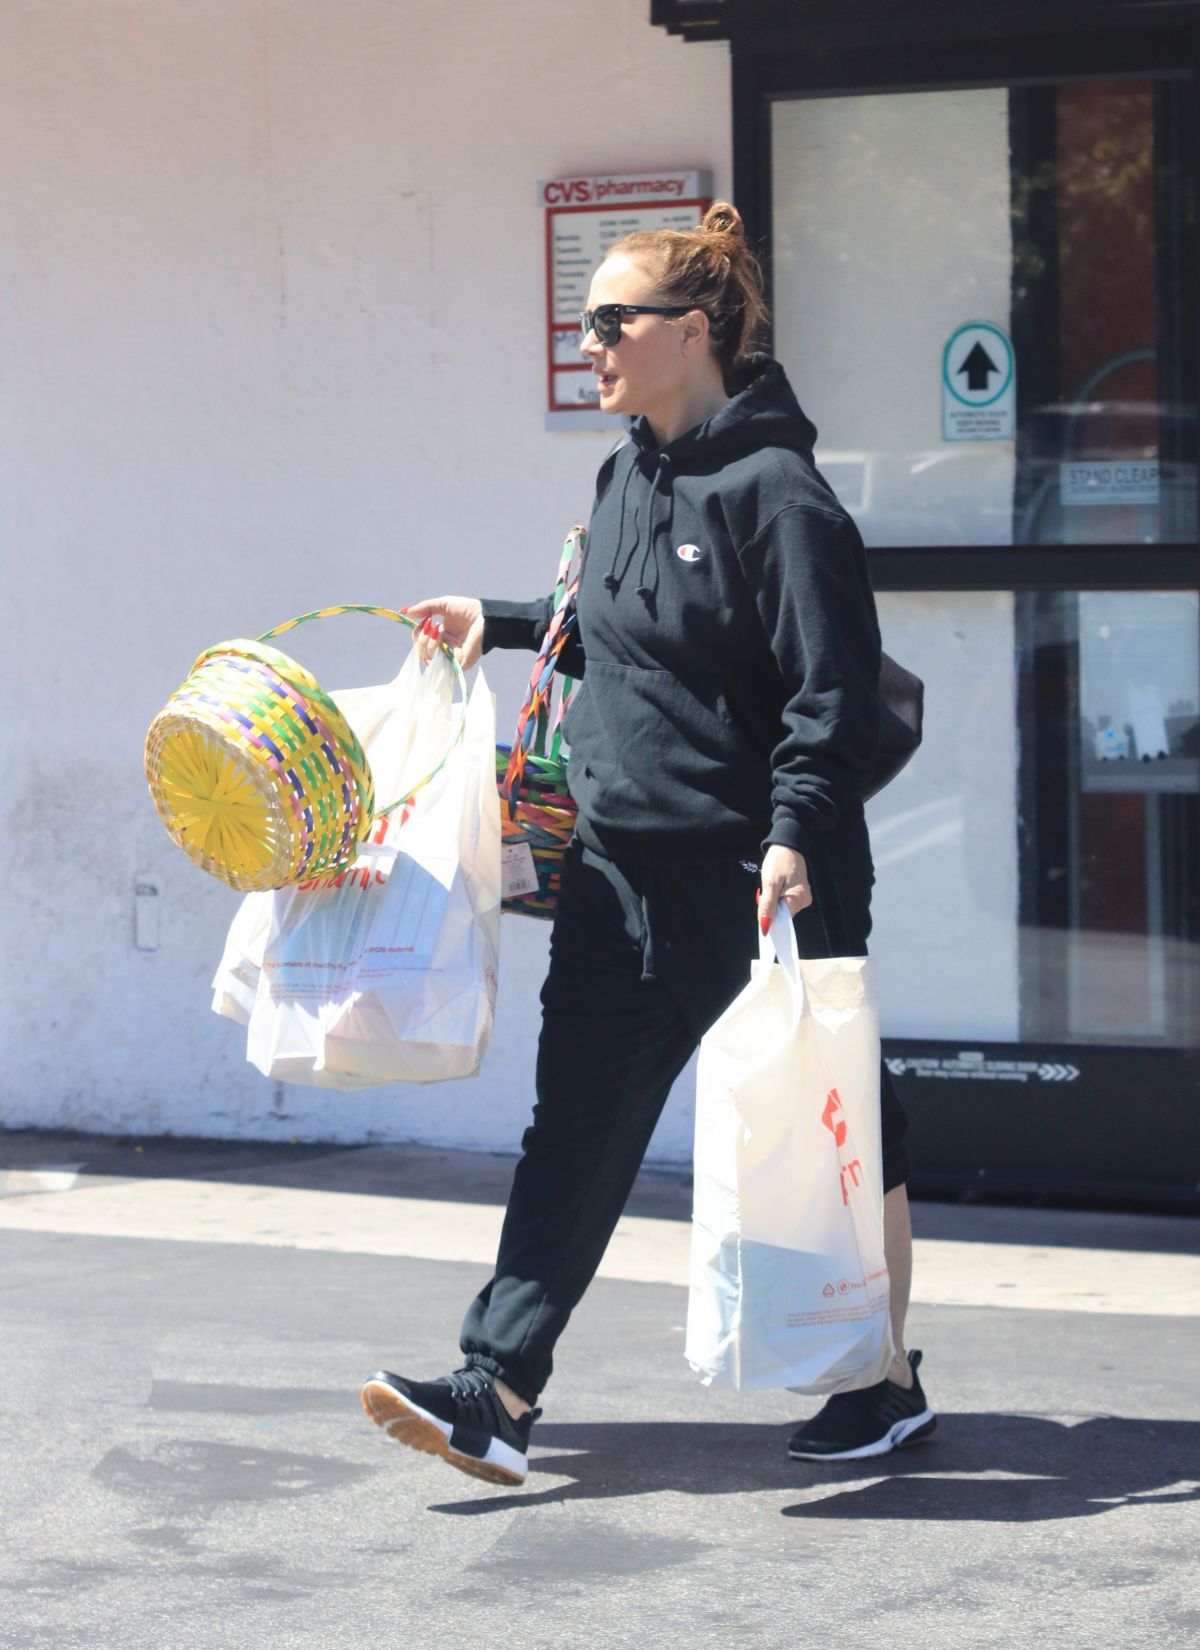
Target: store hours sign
pixel 584 216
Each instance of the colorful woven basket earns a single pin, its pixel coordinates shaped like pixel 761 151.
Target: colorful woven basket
pixel 536 810
pixel 255 772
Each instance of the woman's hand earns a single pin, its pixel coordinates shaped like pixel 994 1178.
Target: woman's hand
pixel 784 879
pixel 461 628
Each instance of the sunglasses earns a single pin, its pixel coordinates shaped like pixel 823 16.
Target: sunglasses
pixel 605 322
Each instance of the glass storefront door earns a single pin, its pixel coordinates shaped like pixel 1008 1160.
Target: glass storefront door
pixel 1024 253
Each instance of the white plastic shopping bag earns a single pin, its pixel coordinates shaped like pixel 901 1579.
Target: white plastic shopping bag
pixel 788 1283
pixel 387 973
pixel 405 727
pixel 235 983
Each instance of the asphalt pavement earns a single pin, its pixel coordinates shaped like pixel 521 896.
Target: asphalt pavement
pixel 185 1466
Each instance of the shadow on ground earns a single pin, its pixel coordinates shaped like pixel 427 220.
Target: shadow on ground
pixel 990 1468
pixel 372 1170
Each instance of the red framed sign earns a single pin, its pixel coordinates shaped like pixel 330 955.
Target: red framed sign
pixel 584 216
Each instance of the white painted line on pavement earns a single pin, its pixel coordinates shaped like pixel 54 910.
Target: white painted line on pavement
pixel 946 1273
pixel 41 1177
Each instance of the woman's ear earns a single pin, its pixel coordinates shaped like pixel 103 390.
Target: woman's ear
pixel 694 330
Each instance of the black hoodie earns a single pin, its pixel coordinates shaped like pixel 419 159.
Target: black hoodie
pixel 728 644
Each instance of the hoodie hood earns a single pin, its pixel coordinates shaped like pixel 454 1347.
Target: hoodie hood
pixel 765 413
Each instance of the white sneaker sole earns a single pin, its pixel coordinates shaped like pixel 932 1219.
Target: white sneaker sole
pixel 409 1424
pixel 895 1438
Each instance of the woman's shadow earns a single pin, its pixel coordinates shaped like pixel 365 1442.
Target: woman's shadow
pixel 994 1468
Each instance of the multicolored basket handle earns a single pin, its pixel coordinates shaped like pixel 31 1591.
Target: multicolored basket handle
pixel 533 724
pixel 399 618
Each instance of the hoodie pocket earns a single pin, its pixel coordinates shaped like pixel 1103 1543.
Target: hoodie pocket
pixel 660 753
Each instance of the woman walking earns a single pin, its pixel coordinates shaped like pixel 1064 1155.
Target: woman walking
pixel 726 723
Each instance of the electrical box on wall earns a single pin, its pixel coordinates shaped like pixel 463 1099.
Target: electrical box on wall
pixel 147 900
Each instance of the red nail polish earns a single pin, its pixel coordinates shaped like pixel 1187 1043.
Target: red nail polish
pixel 764 924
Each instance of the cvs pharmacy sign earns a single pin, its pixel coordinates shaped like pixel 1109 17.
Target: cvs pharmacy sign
pixel 610 189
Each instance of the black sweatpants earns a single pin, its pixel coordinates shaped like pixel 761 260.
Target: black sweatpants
pixel 642 961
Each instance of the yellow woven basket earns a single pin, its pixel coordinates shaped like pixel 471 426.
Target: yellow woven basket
pixel 255 772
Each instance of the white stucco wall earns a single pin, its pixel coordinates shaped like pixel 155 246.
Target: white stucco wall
pixel 274 306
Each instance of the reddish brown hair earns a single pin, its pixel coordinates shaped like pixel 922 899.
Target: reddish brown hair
pixel 712 268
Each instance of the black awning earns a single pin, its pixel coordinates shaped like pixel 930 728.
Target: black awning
pixel 752 23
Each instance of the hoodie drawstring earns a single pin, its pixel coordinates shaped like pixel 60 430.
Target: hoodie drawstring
pixel 650 553
pixel 612 579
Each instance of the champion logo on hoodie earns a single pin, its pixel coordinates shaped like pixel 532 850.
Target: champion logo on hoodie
pixel 689 552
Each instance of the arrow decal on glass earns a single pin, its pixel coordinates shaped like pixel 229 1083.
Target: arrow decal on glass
pixel 978 367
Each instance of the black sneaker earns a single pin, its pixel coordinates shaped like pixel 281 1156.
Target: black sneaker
pixel 872 1421
pixel 459 1417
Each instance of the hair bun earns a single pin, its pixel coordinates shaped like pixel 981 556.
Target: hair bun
pixel 714 268
pixel 723 219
